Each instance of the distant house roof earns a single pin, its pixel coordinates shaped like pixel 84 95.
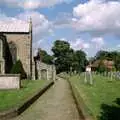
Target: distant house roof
pixel 96 63
pixel 14 25
pixel 107 63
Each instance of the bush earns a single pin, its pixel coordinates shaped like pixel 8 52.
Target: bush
pixel 101 67
pixel 18 69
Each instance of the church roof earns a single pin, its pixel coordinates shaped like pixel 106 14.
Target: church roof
pixel 14 25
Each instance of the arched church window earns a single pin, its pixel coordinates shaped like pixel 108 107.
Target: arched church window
pixel 13 51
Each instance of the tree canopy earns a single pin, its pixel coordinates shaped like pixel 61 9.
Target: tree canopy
pixel 111 55
pixel 67 58
pixel 44 56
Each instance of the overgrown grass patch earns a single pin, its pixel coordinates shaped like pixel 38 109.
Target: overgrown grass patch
pixel 103 92
pixel 13 98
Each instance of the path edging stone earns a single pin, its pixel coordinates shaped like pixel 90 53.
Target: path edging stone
pixel 18 110
pixel 82 108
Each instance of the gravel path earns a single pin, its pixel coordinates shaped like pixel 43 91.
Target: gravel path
pixel 56 104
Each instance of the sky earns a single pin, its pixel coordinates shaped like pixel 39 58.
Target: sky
pixel 90 25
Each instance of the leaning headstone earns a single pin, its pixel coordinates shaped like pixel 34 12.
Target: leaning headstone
pixel 88 76
pixel 111 75
pixel 70 71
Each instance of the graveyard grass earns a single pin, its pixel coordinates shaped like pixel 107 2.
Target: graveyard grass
pixel 13 98
pixel 103 92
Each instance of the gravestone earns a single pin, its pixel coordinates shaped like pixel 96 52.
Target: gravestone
pixel 44 74
pixel 10 81
pixel 88 76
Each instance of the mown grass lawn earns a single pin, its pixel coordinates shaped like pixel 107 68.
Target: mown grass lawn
pixel 100 98
pixel 13 98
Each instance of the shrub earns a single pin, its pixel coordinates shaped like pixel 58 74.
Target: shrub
pixel 101 67
pixel 18 69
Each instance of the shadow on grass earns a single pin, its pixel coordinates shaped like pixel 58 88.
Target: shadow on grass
pixel 110 112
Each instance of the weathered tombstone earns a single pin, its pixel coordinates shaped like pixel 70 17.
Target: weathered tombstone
pixel 53 73
pixel 10 81
pixel 44 74
pixel 75 72
pixel 111 75
pixel 88 75
pixel 70 71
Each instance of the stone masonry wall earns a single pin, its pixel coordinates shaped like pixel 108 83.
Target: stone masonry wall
pixel 23 43
pixel 50 71
pixel 49 68
pixel 10 81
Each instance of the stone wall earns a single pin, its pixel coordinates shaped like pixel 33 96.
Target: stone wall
pixel 10 81
pixel 2 54
pixel 44 71
pixel 23 43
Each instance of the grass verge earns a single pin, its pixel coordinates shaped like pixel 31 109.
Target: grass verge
pixel 13 98
pixel 102 99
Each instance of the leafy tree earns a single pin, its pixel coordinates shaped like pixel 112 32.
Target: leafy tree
pixel 18 69
pixel 68 58
pixel 101 67
pixel 60 48
pixel 81 59
pixel 63 53
pixel 44 56
pixel 113 56
pixel 116 59
pixel 101 55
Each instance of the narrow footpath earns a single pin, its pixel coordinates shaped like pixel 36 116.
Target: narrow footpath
pixel 56 104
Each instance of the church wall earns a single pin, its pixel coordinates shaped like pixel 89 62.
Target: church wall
pixel 23 44
pixel 50 71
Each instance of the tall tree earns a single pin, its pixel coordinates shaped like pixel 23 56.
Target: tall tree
pixel 61 50
pixel 44 56
pixel 67 58
pixel 116 59
pixel 81 59
pixel 101 55
pixel 113 56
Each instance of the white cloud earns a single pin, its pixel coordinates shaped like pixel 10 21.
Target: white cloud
pixel 99 42
pixel 118 46
pixel 79 44
pixel 63 39
pixel 41 25
pixel 40 22
pixel 97 17
pixel 63 20
pixel 33 4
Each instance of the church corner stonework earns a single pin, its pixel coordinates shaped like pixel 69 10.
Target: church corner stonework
pixel 20 47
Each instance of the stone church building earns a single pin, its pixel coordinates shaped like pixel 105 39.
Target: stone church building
pixel 15 44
